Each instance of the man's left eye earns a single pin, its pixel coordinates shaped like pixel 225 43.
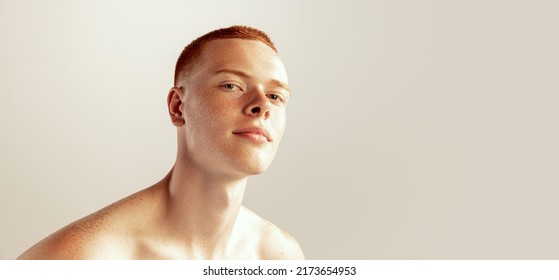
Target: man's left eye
pixel 229 86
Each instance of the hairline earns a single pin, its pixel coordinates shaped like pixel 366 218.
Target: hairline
pixel 196 60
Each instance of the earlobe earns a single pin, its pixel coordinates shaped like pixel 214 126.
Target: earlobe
pixel 174 105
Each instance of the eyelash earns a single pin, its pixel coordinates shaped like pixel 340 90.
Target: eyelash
pixel 230 84
pixel 272 96
pixel 278 97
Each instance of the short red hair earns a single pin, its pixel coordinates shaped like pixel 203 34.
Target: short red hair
pixel 191 53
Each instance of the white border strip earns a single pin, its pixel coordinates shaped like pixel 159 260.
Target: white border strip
pixel 386 270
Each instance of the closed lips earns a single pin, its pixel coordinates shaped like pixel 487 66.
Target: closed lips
pixel 254 130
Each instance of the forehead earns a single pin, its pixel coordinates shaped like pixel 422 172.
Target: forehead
pixel 250 56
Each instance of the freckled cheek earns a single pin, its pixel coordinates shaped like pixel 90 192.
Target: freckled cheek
pixel 216 120
pixel 205 109
pixel 199 121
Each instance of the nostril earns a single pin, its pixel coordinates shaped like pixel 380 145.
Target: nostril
pixel 255 110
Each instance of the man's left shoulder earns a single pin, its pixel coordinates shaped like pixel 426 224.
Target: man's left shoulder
pixel 275 243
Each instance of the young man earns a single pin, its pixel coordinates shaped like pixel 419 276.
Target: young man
pixel 228 105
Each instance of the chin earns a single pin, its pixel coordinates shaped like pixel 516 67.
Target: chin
pixel 253 169
pixel 253 166
pixel 251 163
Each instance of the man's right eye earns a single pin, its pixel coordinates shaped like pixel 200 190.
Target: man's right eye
pixel 230 86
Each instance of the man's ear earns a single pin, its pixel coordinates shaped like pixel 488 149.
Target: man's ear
pixel 174 104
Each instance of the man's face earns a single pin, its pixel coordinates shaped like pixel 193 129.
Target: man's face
pixel 234 107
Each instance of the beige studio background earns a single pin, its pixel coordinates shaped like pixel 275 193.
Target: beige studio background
pixel 416 130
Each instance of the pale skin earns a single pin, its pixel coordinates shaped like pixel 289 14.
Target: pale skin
pixel 221 110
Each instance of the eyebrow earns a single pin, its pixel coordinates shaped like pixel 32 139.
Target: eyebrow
pixel 246 75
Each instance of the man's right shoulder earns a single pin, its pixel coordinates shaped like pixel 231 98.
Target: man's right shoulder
pixel 97 236
pixel 105 234
pixel 77 240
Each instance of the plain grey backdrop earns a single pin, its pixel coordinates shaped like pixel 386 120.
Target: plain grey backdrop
pixel 416 129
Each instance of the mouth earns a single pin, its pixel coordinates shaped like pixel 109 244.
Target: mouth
pixel 254 133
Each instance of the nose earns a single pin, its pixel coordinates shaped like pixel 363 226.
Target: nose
pixel 259 106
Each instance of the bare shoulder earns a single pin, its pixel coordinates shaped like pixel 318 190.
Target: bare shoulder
pixel 274 243
pixel 78 240
pixel 96 236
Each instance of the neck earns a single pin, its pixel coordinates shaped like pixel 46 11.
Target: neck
pixel 202 208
